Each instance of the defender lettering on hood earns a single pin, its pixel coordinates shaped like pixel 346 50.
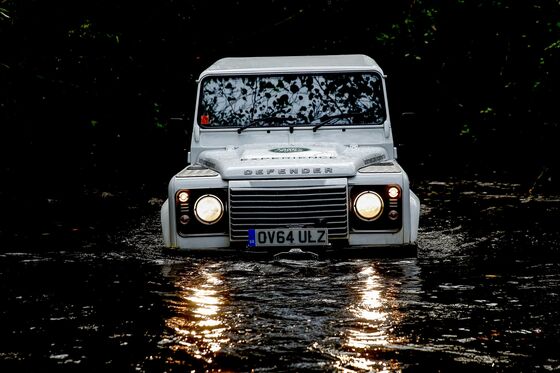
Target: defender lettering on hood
pixel 291 171
pixel 290 152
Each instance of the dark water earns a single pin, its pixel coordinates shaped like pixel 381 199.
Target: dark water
pixel 483 293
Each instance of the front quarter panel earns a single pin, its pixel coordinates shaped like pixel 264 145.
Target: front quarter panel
pixel 200 182
pixel 387 175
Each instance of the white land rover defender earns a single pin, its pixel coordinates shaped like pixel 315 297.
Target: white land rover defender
pixel 291 152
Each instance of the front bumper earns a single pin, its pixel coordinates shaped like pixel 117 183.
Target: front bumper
pixel 296 202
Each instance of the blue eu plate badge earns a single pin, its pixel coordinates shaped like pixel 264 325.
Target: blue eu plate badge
pixel 251 242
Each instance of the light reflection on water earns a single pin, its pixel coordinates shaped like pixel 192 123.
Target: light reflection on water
pixel 375 316
pixel 198 324
pixel 356 315
pixel 370 310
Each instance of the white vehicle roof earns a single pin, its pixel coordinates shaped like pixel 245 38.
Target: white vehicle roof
pixel 253 65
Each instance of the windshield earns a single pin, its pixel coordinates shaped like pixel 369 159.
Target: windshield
pixel 291 99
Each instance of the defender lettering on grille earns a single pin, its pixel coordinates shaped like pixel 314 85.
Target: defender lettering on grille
pixel 289 171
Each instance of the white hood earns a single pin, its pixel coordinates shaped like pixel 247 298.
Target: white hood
pixel 290 161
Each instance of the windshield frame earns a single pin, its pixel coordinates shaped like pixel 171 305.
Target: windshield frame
pixel 297 124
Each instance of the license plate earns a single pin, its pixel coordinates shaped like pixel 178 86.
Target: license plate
pixel 288 237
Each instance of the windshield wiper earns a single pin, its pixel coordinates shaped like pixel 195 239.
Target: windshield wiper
pixel 262 120
pixel 326 119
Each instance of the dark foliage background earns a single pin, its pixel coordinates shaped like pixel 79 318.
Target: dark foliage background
pixel 89 89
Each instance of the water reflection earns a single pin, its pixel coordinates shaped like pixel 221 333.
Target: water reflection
pixel 375 315
pixel 370 311
pixel 198 325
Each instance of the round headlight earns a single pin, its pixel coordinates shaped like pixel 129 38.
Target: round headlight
pixel 208 209
pixel 368 205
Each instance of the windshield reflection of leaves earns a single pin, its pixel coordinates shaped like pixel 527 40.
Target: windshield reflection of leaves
pixel 234 101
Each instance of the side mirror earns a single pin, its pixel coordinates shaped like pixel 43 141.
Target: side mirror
pixel 179 134
pixel 176 121
pixel 406 120
pixel 408 117
pixel 177 125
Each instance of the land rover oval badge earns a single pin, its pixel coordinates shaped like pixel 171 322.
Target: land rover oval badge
pixel 289 149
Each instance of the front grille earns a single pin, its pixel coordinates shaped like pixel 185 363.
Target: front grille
pixel 275 207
